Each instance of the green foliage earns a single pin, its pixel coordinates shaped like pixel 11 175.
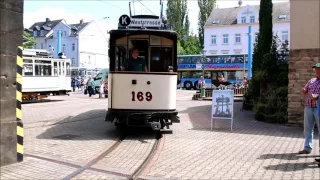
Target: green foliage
pixel 282 92
pixel 271 98
pixel 265 32
pixel 205 9
pixel 258 110
pixel 28 40
pixel 177 16
pixel 178 19
pixel 190 46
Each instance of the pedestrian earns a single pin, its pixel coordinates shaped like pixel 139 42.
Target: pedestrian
pixel 90 86
pixel 311 117
pixel 201 82
pixel 73 84
pixel 101 89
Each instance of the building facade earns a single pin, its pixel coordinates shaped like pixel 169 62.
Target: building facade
pixel 304 53
pixel 84 43
pixel 226 30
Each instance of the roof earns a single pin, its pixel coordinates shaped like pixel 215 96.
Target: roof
pixel 228 16
pixel 48 26
pixel 77 27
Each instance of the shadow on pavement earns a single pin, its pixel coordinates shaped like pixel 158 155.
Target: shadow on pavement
pixel 288 167
pixel 287 156
pixel 91 126
pixel 42 101
pixel 244 123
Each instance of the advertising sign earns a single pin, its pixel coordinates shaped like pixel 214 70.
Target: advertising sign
pixel 212 66
pixel 198 66
pixel 222 105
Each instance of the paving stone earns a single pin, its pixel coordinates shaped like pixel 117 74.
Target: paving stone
pixel 74 130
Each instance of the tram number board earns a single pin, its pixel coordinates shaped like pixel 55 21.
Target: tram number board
pixel 140 96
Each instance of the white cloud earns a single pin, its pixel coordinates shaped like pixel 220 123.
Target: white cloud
pixel 54 13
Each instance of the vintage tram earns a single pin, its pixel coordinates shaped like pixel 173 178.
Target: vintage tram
pixel 43 75
pixel 138 98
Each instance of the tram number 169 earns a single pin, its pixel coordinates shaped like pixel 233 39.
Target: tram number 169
pixel 140 96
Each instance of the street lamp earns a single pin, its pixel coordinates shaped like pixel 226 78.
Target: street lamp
pixel 203 95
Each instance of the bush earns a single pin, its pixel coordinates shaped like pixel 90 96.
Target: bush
pixel 259 111
pixel 282 92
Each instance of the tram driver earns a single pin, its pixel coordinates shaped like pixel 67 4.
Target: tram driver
pixel 135 63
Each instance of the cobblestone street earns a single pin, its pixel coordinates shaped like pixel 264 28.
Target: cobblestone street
pixel 62 136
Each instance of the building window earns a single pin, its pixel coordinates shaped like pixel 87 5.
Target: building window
pixel 243 20
pixel 73 46
pixel 41 45
pixel 285 36
pixel 35 33
pixel 64 48
pixel 72 61
pixel 238 38
pixel 213 39
pixel 225 39
pixel 35 46
pixel 252 19
pixel 41 32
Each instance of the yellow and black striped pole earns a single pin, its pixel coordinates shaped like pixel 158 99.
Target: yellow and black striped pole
pixel 18 109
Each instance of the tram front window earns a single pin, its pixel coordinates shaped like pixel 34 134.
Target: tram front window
pixel 161 59
pixel 135 63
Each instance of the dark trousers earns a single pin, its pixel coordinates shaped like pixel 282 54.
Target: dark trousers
pixel 90 90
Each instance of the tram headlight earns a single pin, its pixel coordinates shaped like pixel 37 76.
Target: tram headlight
pixel 164 20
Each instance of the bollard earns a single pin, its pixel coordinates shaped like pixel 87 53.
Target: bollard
pixel 203 94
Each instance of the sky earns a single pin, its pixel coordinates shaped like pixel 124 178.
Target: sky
pixel 107 12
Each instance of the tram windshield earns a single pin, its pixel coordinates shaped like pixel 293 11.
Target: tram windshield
pixel 157 53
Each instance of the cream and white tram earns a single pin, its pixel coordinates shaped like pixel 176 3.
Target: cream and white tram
pixel 43 75
pixel 143 98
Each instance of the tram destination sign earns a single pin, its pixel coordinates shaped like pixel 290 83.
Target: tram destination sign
pixel 125 20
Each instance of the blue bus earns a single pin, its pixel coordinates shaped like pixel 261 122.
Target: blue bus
pixel 232 66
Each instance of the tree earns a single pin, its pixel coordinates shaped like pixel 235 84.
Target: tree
pixel 205 9
pixel 263 47
pixel 177 16
pixel 178 19
pixel 28 40
pixel 265 33
pixel 190 46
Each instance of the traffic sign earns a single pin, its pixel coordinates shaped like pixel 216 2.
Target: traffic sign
pixel 124 20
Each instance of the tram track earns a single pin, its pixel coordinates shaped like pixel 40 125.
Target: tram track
pixel 139 171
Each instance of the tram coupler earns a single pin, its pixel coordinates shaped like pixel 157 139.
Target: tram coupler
pixel 155 126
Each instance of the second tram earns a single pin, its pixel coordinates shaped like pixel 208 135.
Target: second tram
pixel 43 75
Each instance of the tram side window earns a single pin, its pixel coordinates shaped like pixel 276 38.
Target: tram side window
pixel 120 57
pixel 43 70
pixel 68 69
pixel 27 70
pixel 55 68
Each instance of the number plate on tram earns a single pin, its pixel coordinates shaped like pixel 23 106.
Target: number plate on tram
pixel 140 96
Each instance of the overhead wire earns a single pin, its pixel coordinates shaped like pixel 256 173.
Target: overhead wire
pixel 145 7
pixel 111 4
